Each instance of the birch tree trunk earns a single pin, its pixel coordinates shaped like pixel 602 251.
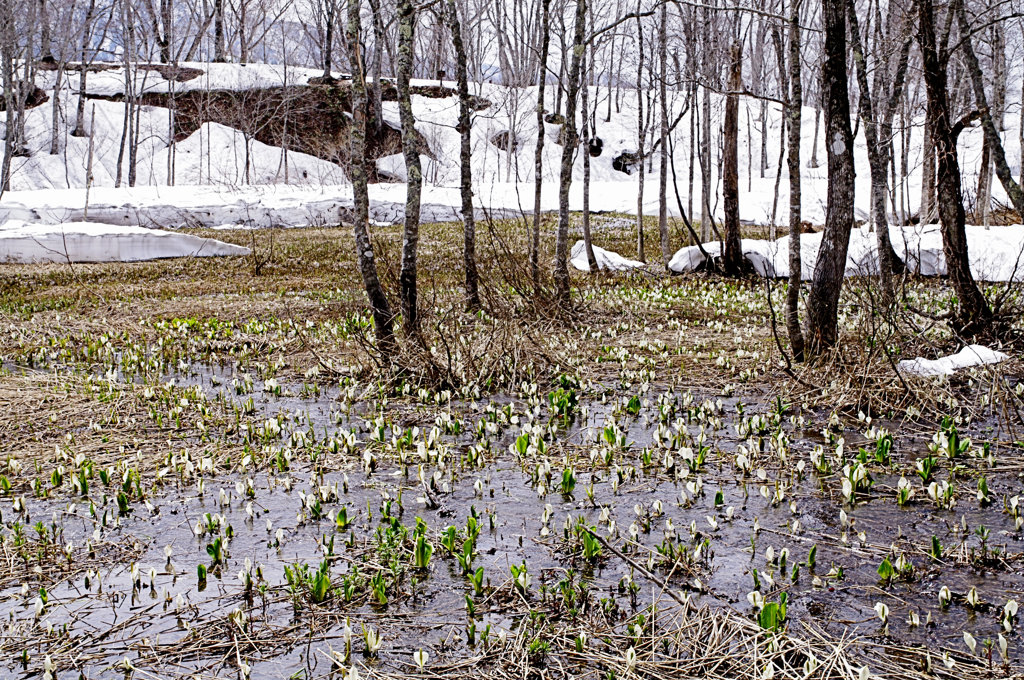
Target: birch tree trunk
pixel 588 244
pixel 410 148
pixel 538 158
pixel 793 112
pixel 641 138
pixel 570 141
pixel 666 253
pixel 383 319
pixel 465 159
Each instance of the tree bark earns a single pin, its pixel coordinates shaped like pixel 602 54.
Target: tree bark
pixel 79 130
pixel 732 253
pixel 666 253
pixel 793 112
pixel 588 243
pixel 465 166
pixel 538 158
pixel 382 317
pixel 410 148
pixel 219 52
pixel 974 313
pixel 826 285
pixel 705 166
pixel 570 141
pixel 988 125
pixel 878 157
pixel 641 138
pixel 927 211
pixel 45 49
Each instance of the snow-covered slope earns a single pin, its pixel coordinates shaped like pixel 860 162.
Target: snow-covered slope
pixel 216 156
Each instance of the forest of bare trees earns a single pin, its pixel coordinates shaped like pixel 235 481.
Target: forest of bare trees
pixel 871 66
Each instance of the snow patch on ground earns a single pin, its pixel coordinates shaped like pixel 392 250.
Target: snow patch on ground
pixel 89 242
pixel 607 260
pixel 971 355
pixel 996 254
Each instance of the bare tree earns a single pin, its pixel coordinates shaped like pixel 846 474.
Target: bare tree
pixel 877 133
pixel 974 313
pixel 793 114
pixel 410 148
pixel 382 317
pixel 545 6
pixel 465 161
pixel 823 300
pixel 588 244
pixel 570 140
pixel 732 253
pixel 666 253
pixel 993 142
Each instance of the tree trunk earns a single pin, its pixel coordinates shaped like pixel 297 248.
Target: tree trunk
pixel 465 158
pixel 877 156
pixel 538 158
pixel 826 285
pixel 219 52
pixel 570 142
pixel 167 25
pixel 375 90
pixel 705 167
pixel 814 163
pixel 927 212
pixel 793 111
pixel 974 313
pixel 641 138
pixel 45 49
pixel 993 142
pixel 588 243
pixel 410 148
pixel 732 253
pixel 382 316
pixel 666 249
pixel 79 130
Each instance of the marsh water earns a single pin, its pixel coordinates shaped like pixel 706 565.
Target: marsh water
pixel 756 513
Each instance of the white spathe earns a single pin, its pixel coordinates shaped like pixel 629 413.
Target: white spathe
pixel 90 242
pixel 971 355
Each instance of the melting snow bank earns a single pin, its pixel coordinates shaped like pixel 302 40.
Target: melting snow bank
pixel 996 254
pixel 972 355
pixel 89 242
pixel 244 206
pixel 607 260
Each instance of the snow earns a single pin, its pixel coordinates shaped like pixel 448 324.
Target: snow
pixel 607 260
pixel 512 109
pixel 971 355
pixel 995 254
pixel 90 242
pixel 217 176
pixel 110 82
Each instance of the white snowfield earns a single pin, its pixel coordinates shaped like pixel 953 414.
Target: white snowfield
pixel 996 254
pixel 91 242
pixel 219 176
pixel 607 260
pixel 505 173
pixel 971 355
